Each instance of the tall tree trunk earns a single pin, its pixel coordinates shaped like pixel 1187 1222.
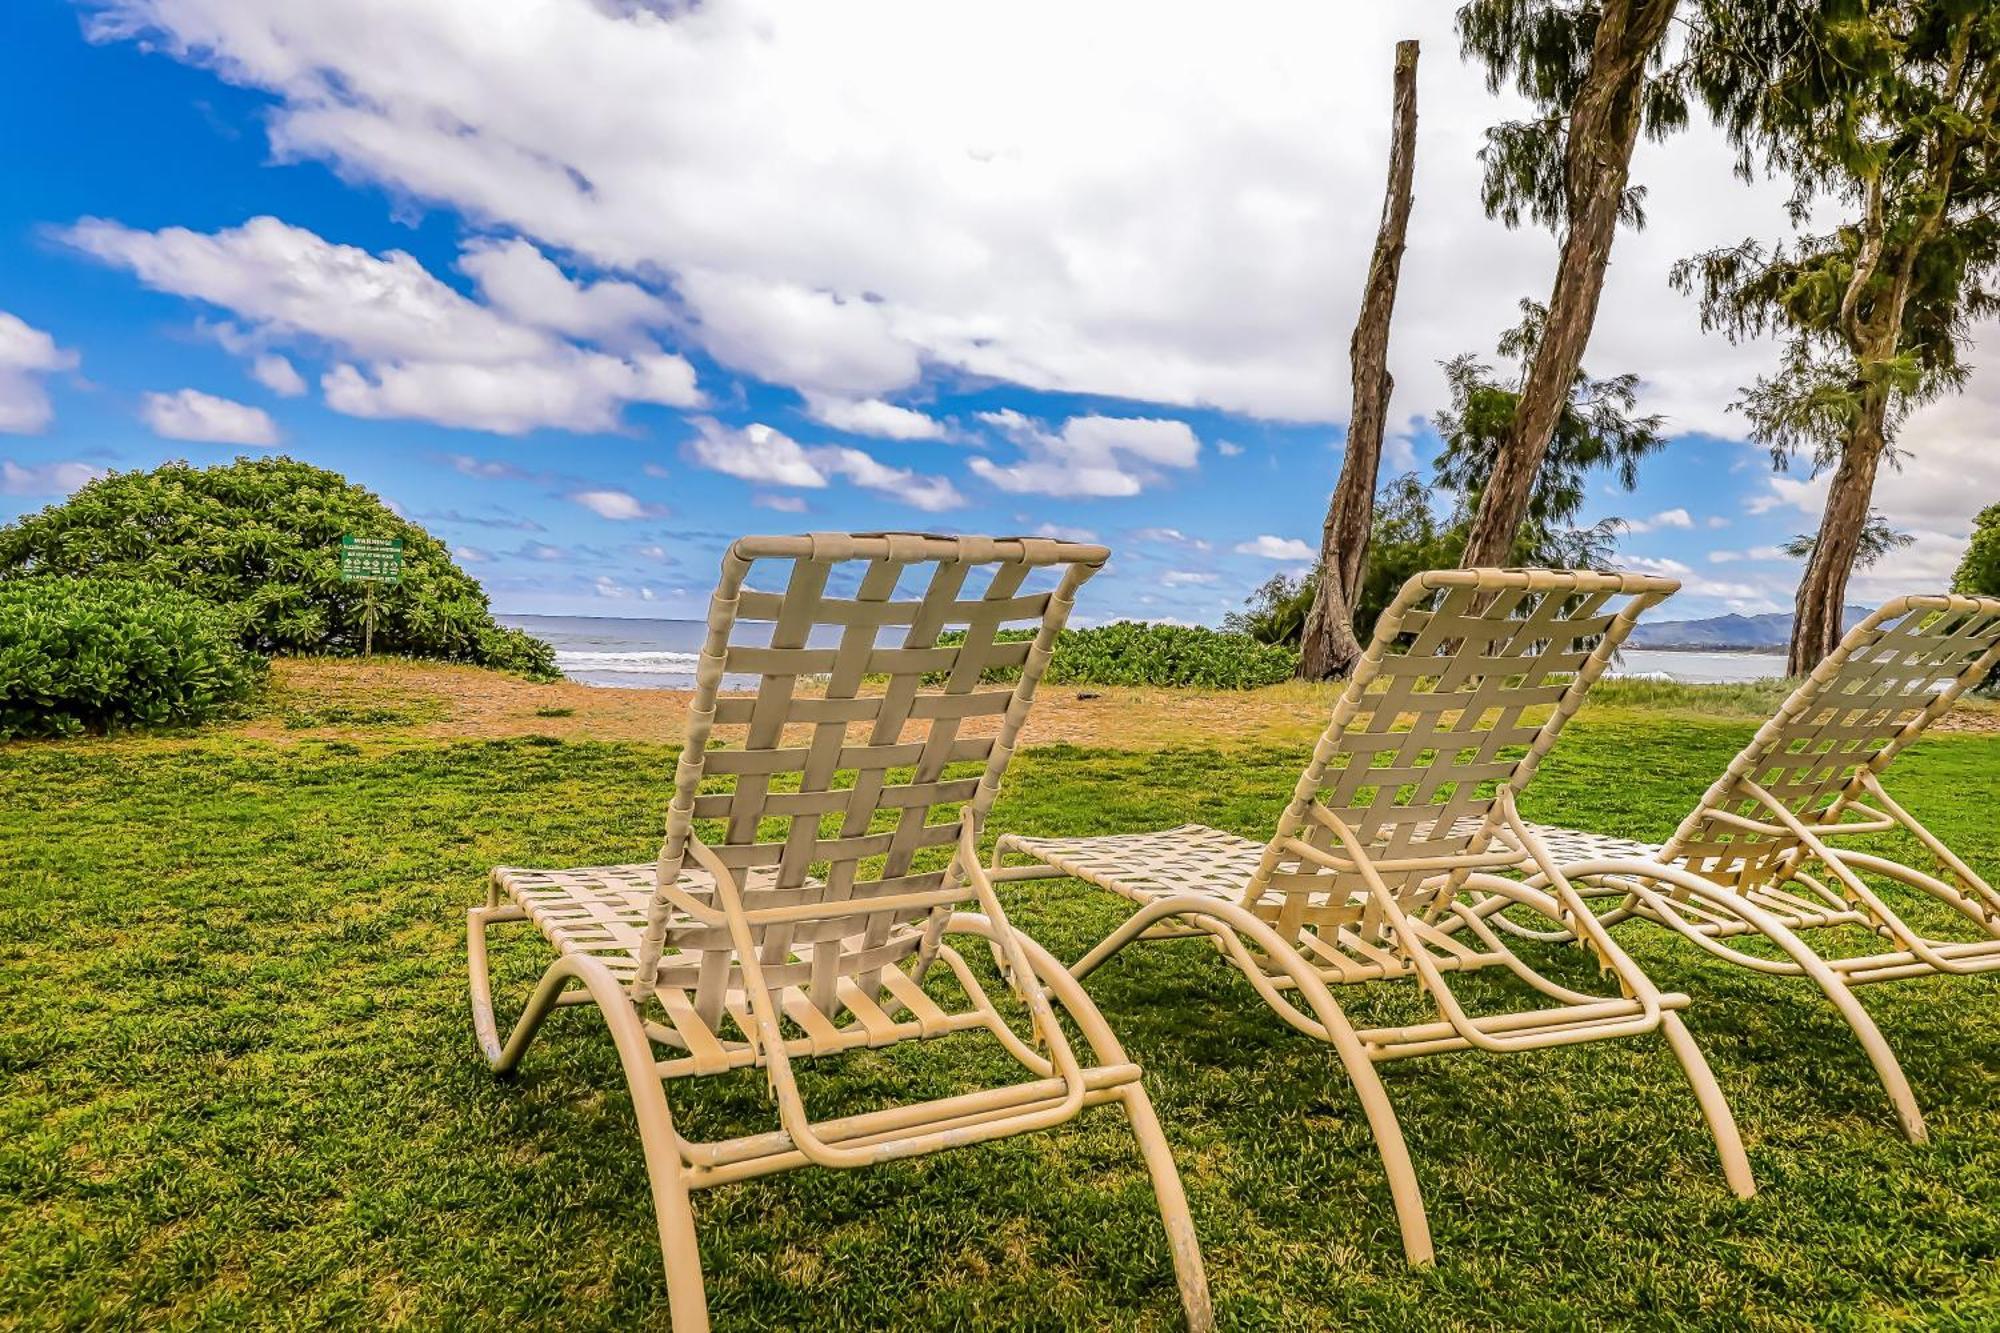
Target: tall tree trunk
pixel 1328 647
pixel 1822 596
pixel 1603 127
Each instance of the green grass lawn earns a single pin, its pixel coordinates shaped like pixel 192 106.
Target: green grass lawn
pixel 238 1084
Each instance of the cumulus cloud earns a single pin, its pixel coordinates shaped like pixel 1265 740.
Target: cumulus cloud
pixel 406 344
pixel 27 354
pixel 762 453
pixel 1666 518
pixel 1185 578
pixel 617 505
pixel 1268 547
pixel 1090 456
pixel 1171 223
pixel 58 478
pixel 872 416
pixel 1169 537
pixel 190 414
pixel 278 375
pixel 783 504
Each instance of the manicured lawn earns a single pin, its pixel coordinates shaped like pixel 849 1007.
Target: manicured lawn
pixel 238 1084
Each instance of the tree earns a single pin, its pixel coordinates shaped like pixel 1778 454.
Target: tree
pixel 1978 572
pixel 260 538
pixel 1889 110
pixel 1979 569
pixel 1329 647
pixel 1584 63
pixel 1595 429
pixel 1406 537
pixel 1877 540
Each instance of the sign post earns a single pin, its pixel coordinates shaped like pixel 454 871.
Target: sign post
pixel 370 560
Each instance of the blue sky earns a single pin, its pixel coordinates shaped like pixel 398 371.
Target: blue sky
pixel 588 286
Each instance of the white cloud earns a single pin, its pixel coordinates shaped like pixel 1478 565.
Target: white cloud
pixel 762 453
pixel 1717 521
pixel 1268 547
pixel 521 281
pixel 615 504
pixel 1064 533
pixel 1754 553
pixel 1149 207
pixel 872 416
pixel 409 345
pixel 1089 456
pixel 190 414
pixel 1170 537
pixel 757 452
pixel 783 504
pixel 27 354
pixel 58 478
pixel 1655 565
pixel 1666 518
pixel 471 555
pixel 1183 578
pixel 1228 448
pixel 278 375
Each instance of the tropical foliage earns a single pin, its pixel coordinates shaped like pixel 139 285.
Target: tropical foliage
pixel 88 654
pixel 261 538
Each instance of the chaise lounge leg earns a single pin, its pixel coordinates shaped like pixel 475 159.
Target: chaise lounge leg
pixel 1714 1106
pixel 1189 1275
pixel 687 1299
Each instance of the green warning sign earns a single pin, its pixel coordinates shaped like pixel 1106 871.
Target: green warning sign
pixel 371 559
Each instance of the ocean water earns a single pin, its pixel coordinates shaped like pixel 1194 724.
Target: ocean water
pixel 660 654
pixel 1698 668
pixel 623 651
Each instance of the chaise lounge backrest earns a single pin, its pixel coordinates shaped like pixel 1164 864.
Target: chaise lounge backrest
pixel 1468 679
pixel 871 725
pixel 1892 676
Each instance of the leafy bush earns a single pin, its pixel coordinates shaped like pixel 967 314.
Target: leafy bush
pixel 261 538
pixel 1133 653
pixel 80 654
pixel 1978 572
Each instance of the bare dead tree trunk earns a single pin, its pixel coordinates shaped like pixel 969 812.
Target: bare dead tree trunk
pixel 1603 127
pixel 1329 647
pixel 1822 595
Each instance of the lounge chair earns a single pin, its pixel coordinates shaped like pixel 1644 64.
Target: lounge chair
pixel 804 927
pixel 1756 855
pixel 1403 818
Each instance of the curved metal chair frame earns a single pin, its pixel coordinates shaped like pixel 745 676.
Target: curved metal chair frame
pixel 1402 822
pixel 1759 854
pixel 807 928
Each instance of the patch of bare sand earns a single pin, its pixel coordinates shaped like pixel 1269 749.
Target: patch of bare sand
pixel 350 698
pixel 388 697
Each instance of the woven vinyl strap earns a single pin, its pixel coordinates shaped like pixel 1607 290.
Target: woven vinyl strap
pixel 1892 676
pixel 1469 678
pixel 848 761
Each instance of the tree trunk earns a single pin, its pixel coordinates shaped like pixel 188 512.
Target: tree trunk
pixel 1822 596
pixel 1328 647
pixel 1603 127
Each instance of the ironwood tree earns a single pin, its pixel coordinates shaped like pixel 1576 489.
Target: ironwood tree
pixel 1587 66
pixel 1329 646
pixel 1886 109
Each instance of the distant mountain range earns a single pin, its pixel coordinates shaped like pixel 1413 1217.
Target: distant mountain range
pixel 1773 630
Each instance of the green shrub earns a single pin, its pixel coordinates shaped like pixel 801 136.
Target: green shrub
pixel 1133 653
pixel 261 538
pixel 79 654
pixel 1979 569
